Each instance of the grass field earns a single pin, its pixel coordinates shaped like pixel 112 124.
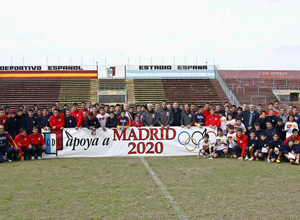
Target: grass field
pixel 122 188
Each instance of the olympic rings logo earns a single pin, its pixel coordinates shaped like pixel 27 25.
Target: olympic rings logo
pixel 192 138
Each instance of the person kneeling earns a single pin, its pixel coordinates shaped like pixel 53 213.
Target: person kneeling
pixel 23 141
pixel 242 145
pixel 291 151
pixel 205 147
pixel 37 142
pixel 221 145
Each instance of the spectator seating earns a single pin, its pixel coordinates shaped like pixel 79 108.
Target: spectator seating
pixel 74 90
pixel 148 91
pixel 27 92
pixel 197 91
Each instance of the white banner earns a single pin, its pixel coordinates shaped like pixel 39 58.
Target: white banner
pixel 175 141
pixel 119 71
pixel 170 71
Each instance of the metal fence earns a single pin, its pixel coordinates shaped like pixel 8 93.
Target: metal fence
pixel 227 91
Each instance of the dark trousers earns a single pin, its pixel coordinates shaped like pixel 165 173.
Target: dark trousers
pixel 7 149
pixel 38 150
pixel 28 152
pixel 238 150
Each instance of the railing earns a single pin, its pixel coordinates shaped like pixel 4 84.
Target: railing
pixel 111 87
pixel 286 87
pixel 227 91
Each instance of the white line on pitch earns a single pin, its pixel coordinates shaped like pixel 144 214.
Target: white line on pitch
pixel 173 203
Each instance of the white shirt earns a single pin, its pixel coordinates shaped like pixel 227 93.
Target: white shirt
pixel 242 126
pixel 204 146
pixel 289 126
pixel 231 139
pixel 221 143
pixel 102 119
pixel 223 124
pixel 231 122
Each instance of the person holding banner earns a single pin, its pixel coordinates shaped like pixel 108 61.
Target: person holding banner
pixel 137 122
pixel 92 122
pixel 102 117
pixel 112 120
pixel 165 116
pixel 123 121
pixel 77 114
pixel 150 117
pixel 70 121
pixel 56 121
pixel 37 141
pixel 213 120
pixel 187 117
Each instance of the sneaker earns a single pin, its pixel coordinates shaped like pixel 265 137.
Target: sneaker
pixel 278 161
pixel 268 160
pixel 9 161
pixel 292 161
pixel 246 158
pixel 39 158
pixel 256 158
pixel 252 158
pixel 297 162
pixel 32 157
pixel 239 158
pixel 210 158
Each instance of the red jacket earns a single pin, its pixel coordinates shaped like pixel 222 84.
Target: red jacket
pixel 297 140
pixel 59 122
pixel 213 120
pixel 22 141
pixel 36 140
pixel 78 116
pixel 81 110
pixel 134 124
pixel 242 142
pixel 3 120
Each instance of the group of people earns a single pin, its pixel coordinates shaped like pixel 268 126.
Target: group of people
pixel 244 132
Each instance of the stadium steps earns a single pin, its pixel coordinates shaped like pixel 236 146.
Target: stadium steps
pixel 130 92
pixel 219 91
pixel 94 91
pixel 29 92
pixel 148 91
pixel 190 91
pixel 74 90
pixel 252 90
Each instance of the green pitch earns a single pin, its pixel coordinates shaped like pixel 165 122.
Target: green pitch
pixel 122 188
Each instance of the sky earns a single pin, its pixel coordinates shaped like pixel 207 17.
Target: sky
pixel 234 34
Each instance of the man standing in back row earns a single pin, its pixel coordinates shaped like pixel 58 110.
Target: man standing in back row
pixel 165 116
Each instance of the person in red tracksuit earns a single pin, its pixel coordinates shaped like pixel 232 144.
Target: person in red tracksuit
pixel 3 117
pixel 22 140
pixel 37 142
pixel 213 120
pixel 56 120
pixel 242 141
pixel 83 107
pixel 77 114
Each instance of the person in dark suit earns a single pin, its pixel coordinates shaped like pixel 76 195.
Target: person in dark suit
pixel 251 117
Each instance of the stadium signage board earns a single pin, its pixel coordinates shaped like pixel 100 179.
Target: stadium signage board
pixel 155 141
pixel 170 67
pixel 39 68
